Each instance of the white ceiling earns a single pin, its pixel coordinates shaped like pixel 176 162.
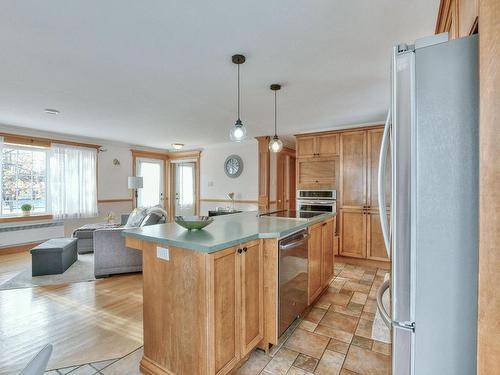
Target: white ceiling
pixel 157 72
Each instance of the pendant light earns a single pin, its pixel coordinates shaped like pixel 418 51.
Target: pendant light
pixel 275 145
pixel 238 132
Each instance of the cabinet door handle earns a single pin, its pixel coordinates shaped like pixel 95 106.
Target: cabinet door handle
pixel 245 249
pixel 240 251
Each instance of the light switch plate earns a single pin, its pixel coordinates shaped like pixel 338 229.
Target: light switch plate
pixel 162 253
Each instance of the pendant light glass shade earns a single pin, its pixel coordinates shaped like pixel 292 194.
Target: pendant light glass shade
pixel 275 145
pixel 238 132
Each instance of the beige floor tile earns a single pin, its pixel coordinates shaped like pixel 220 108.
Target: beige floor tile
pixel 381 347
pixel 358 297
pixel 367 362
pixel 367 316
pixel 298 371
pixel 364 328
pixel 338 346
pixel 84 370
pixel 347 372
pixel 255 364
pixel 52 372
pixel 308 326
pixel 306 363
pixel 127 365
pixel 281 362
pixel 340 321
pixel 308 343
pixel 334 333
pixel 330 363
pixel 356 287
pixel 356 308
pixel 102 364
pixel 370 306
pixel 315 315
pixel 325 305
pixel 336 298
pixel 362 342
pixel 66 370
pixel 345 310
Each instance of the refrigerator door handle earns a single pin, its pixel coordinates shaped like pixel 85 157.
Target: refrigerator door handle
pixel 381 183
pixel 380 306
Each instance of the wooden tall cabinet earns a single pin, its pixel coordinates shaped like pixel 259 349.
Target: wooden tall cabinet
pixel 458 18
pixel 237 316
pixel 359 224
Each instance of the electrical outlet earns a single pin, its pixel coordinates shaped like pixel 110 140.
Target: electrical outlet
pixel 162 253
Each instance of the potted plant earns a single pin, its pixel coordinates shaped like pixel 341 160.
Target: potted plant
pixel 26 208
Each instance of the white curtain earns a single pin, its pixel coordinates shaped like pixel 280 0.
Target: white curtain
pixel 73 181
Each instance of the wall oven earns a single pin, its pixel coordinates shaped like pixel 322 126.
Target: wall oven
pixel 317 201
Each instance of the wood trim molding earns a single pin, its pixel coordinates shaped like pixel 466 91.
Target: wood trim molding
pixel 148 154
pixel 115 200
pixel 41 142
pixel 229 200
pixel 15 219
pixel 488 353
pixel 443 20
pixel 264 170
pixel 340 130
pixel 19 248
pixel 178 155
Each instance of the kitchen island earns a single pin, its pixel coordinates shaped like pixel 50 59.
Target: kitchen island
pixel 211 296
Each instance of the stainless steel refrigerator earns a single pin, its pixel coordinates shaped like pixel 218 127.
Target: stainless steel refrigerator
pixel 431 136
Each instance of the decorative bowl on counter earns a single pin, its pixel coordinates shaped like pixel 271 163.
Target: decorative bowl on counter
pixel 193 222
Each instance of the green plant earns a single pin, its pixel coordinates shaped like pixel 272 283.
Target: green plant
pixel 26 207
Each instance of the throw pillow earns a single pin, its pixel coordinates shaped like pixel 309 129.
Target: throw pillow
pixel 136 217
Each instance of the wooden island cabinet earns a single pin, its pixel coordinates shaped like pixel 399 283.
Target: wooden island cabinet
pixel 205 310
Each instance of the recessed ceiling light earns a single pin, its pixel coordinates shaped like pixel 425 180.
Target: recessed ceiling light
pixel 177 146
pixel 51 111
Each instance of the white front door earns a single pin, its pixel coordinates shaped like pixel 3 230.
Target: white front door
pixel 185 189
pixel 152 172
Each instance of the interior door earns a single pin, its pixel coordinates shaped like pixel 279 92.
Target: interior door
pixel 153 191
pixel 185 188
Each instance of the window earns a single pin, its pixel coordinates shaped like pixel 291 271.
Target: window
pixel 23 179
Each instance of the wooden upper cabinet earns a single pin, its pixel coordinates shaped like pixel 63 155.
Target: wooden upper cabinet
pixel 353 233
pixel 458 18
pixel 306 147
pixel 314 261
pixel 327 251
pixel 374 142
pixel 375 247
pixel 327 145
pixel 353 169
pixel 468 12
pixel 316 173
pixel 226 306
pixel 322 145
pixel 252 296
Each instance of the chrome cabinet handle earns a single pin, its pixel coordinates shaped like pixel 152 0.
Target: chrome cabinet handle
pixel 381 183
pixel 380 306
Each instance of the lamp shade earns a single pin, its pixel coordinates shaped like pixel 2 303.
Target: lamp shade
pixel 135 182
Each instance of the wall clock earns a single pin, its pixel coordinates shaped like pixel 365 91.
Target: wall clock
pixel 233 166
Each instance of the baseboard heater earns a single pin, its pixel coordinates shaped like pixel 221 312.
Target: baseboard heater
pixel 18 234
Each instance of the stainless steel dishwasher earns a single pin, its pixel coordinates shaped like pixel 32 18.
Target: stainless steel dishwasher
pixel 292 269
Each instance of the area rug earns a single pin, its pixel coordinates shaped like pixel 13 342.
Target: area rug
pixel 81 270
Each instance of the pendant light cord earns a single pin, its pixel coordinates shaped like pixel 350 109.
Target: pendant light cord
pixel 275 116
pixel 238 91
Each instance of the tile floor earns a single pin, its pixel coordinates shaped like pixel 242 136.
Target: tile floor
pixel 333 339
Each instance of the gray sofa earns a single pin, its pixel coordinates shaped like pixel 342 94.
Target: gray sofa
pixel 111 256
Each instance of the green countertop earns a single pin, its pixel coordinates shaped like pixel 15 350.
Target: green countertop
pixel 224 232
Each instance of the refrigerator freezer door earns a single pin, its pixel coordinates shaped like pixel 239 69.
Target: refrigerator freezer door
pixel 402 128
pixel 446 208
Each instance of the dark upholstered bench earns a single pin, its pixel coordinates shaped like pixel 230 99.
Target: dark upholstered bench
pixel 53 256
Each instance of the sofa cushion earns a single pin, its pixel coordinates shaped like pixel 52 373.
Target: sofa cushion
pixel 136 217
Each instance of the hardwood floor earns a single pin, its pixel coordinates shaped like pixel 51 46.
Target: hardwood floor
pixel 86 322
pixel 12 264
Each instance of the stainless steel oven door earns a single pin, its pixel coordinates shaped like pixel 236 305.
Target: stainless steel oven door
pixel 316 206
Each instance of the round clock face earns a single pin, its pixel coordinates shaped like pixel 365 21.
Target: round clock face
pixel 233 166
